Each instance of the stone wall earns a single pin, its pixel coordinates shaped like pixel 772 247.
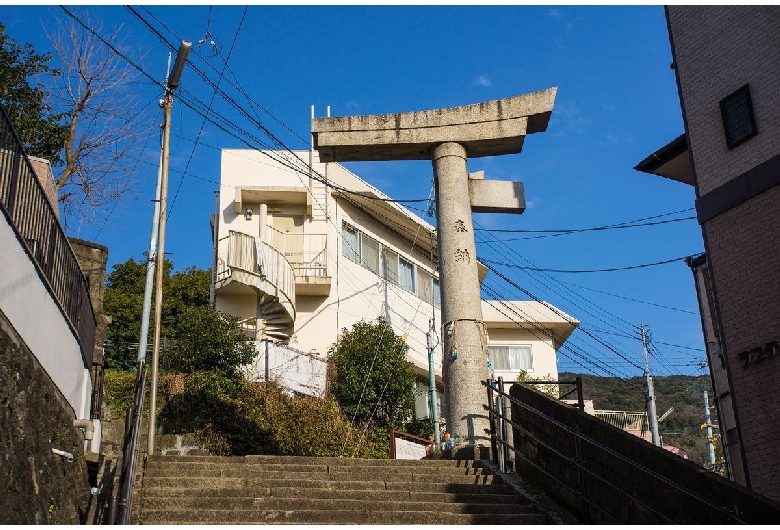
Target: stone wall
pixel 616 476
pixel 38 487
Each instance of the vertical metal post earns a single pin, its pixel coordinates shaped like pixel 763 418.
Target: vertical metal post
pixel 215 257
pixel 143 339
pixel 580 396
pixel 500 409
pixel 708 426
pixel 492 421
pixel 652 417
pixel 267 359
pixel 432 397
pixel 159 274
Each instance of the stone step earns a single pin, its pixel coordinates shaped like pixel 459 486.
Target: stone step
pixel 295 516
pixel 331 493
pixel 314 503
pixel 312 471
pixel 312 460
pixel 323 480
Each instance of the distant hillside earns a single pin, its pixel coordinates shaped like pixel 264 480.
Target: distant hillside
pixel 682 428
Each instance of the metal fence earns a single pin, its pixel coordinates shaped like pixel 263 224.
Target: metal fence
pixel 24 203
pixel 636 421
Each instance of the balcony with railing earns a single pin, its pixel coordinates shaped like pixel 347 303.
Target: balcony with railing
pixel 244 260
pixel 308 256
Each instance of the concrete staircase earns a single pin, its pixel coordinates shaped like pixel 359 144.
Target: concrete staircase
pixel 319 490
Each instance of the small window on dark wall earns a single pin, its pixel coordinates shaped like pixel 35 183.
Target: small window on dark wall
pixel 739 122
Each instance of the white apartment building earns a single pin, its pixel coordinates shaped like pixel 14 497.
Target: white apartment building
pixel 298 262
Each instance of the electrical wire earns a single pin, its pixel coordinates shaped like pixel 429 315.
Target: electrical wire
pixel 566 271
pixel 213 96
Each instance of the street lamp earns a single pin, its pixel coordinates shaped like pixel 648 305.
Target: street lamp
pixel 172 83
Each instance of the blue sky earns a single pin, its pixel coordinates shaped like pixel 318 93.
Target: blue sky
pixel 616 104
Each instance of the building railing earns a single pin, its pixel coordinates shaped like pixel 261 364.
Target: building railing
pixel 636 421
pixel 249 254
pixel 307 253
pixel 570 462
pixel 98 377
pixel 24 204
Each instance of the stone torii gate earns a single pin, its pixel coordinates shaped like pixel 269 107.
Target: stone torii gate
pixel 448 137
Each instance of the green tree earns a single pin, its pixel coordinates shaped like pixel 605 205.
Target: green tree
pixel 207 340
pixel 371 378
pixel 187 320
pixel 41 130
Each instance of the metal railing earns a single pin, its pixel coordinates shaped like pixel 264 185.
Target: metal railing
pixel 307 253
pixel 121 505
pixel 249 254
pixel 24 203
pixel 582 479
pixel 636 421
pixel 98 372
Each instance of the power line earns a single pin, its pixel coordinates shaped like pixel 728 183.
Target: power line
pixel 213 95
pixel 633 299
pixel 591 229
pixel 537 269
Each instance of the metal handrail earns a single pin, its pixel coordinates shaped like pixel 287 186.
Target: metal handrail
pixel 123 503
pixel 497 438
pixel 24 203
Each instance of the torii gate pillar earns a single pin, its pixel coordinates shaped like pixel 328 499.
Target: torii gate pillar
pixel 448 137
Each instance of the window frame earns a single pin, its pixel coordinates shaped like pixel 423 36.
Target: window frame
pixel 508 359
pixel 728 118
pixel 385 255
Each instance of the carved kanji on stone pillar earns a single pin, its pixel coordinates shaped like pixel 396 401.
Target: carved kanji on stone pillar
pixel 448 137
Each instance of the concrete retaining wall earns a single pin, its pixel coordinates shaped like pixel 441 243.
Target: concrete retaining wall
pixel 37 486
pixel 619 467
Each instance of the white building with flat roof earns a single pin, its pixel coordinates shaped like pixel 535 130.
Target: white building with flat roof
pixel 299 261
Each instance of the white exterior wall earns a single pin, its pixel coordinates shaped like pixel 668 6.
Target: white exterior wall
pixel 294 370
pixel 40 323
pixel 356 293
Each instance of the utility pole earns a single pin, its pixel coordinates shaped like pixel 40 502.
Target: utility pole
pixel 171 85
pixel 432 398
pixel 652 418
pixel 708 426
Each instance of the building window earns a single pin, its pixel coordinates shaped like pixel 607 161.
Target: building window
pixel 349 243
pixel 739 122
pixel 389 265
pixel 424 285
pixel 369 253
pixel 515 357
pixel 406 274
pixel 384 262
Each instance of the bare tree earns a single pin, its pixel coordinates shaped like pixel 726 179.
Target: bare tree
pixel 109 124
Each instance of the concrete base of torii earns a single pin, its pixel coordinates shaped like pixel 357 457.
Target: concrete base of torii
pixel 448 137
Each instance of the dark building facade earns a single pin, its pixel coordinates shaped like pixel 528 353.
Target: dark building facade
pixel 727 65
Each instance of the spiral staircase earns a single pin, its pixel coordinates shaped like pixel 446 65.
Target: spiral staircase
pixel 247 265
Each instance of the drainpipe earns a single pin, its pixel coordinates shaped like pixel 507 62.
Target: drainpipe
pixel 89 429
pixel 263 221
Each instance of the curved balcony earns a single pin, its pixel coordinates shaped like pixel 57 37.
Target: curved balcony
pixel 248 263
